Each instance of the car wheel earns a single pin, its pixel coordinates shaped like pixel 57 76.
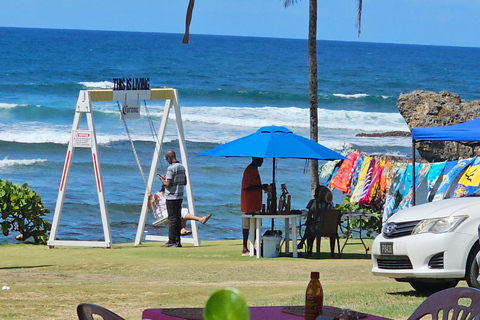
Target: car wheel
pixel 432 285
pixel 471 273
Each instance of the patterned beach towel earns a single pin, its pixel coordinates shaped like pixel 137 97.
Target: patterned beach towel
pixel 357 192
pixel 343 177
pixel 421 171
pixel 375 185
pixel 448 178
pixel 470 181
pixel 326 170
pixel 382 189
pixel 388 177
pixel 397 178
pixel 356 172
pixel 435 171
pixel 406 183
pixel 370 181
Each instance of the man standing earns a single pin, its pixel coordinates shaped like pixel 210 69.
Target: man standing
pixel 174 182
pixel 251 197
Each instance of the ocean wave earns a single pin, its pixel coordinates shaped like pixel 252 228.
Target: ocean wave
pixel 98 85
pixel 23 162
pixel 293 117
pixel 30 134
pixel 10 105
pixel 350 96
pixel 207 124
pixel 358 96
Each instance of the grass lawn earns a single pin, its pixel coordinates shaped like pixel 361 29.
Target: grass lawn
pixel 49 283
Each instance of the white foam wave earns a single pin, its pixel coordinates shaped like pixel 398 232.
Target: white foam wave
pixel 98 85
pixel 41 133
pixel 295 118
pixel 222 124
pixel 248 117
pixel 24 162
pixel 291 117
pixel 350 96
pixel 361 121
pixel 10 105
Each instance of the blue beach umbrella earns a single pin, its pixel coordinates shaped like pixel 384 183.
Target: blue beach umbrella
pixel 273 142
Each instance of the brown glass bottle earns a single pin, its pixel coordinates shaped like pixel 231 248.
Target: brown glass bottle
pixel 313 297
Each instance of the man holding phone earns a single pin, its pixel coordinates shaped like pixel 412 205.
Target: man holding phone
pixel 174 182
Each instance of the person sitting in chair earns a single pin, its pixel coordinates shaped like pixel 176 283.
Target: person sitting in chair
pixel 323 200
pixel 158 203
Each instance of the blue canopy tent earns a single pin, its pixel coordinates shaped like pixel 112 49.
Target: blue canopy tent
pixel 465 132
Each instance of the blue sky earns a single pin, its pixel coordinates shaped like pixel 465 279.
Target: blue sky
pixel 430 22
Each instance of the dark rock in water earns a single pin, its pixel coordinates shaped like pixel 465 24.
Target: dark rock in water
pixel 386 134
pixel 430 109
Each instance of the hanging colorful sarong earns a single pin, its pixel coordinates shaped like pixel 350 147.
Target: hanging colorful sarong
pixel 470 181
pixel 443 189
pixel 390 170
pixel 378 200
pixel 326 170
pixel 397 178
pixel 356 172
pixel 357 192
pixel 421 171
pixel 369 181
pixel 375 185
pixel 342 178
pixel 432 177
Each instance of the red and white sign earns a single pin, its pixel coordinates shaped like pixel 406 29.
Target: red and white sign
pixel 82 138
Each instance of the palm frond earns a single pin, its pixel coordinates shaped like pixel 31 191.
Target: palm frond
pixel 289 2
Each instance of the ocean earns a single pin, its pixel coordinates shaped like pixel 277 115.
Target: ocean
pixel 228 87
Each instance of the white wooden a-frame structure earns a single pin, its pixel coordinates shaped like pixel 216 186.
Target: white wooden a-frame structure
pixel 88 139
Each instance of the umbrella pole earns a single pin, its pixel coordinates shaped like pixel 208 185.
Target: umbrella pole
pixel 275 189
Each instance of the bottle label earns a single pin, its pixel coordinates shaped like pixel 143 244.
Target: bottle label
pixel 313 304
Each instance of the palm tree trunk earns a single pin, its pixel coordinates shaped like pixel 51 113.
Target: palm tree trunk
pixel 313 88
pixel 188 19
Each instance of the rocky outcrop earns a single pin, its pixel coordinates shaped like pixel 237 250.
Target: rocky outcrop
pixel 430 109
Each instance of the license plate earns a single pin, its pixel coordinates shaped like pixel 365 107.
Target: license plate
pixel 386 247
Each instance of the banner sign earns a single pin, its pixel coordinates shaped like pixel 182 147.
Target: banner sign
pixel 130 110
pixel 131 84
pixel 82 138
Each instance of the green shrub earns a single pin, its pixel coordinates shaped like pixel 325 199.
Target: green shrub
pixel 372 225
pixel 21 210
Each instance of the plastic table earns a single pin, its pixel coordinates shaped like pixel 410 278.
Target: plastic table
pixel 256 228
pixel 347 216
pixel 256 313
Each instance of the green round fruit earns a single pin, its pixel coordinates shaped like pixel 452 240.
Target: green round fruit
pixel 226 304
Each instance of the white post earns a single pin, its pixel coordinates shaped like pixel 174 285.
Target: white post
pixel 170 103
pixel 89 141
pixel 183 152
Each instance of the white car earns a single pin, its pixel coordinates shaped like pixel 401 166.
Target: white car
pixel 432 246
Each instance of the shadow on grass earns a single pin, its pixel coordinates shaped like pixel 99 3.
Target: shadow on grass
pixel 27 267
pixel 411 293
pixel 327 255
